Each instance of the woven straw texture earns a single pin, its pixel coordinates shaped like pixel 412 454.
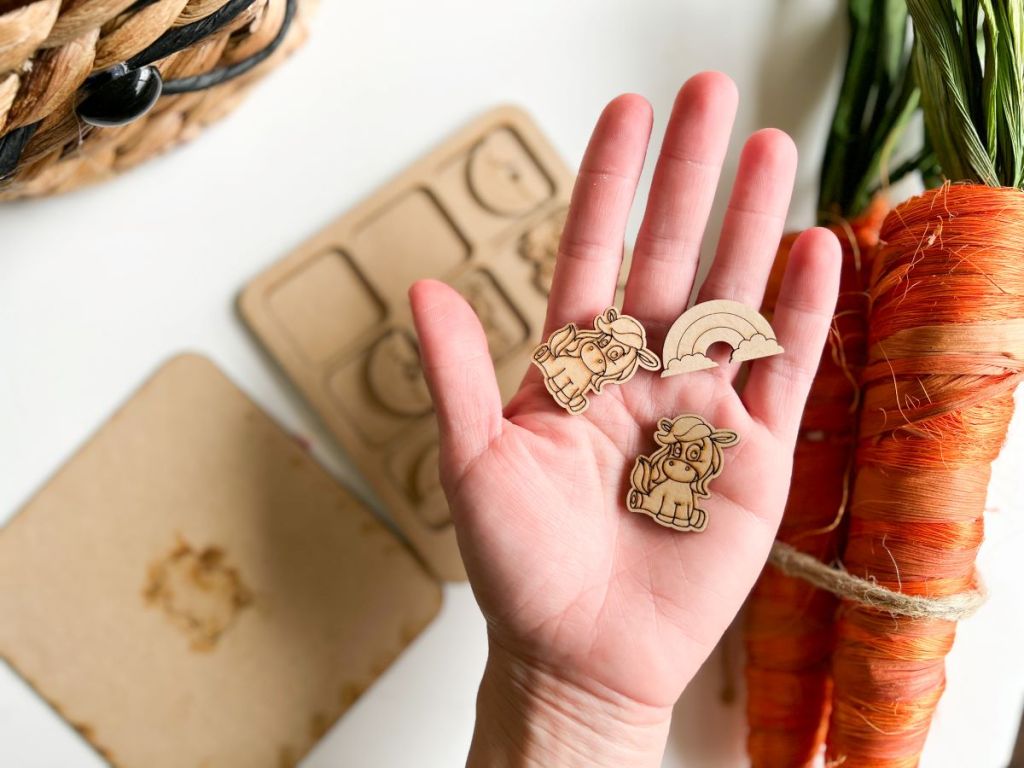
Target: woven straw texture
pixel 49 47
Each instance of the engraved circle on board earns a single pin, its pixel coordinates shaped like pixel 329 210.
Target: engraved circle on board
pixel 395 377
pixel 503 177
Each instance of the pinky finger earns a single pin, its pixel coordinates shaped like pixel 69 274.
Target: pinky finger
pixel 777 389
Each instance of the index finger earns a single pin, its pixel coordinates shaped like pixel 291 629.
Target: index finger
pixel 590 252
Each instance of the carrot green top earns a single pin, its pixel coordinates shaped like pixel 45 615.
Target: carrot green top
pixel 968 60
pixel 876 100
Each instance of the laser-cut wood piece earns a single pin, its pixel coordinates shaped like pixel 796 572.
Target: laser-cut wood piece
pixel 576 362
pixel 744 329
pixel 193 589
pixel 669 484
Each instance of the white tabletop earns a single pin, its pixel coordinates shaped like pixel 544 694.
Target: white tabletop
pixel 98 287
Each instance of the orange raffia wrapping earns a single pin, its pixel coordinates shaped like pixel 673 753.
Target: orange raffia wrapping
pixel 788 628
pixel 945 355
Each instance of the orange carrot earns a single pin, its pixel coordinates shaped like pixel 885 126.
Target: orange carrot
pixel 789 622
pixel 946 351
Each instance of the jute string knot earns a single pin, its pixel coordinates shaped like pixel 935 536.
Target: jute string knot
pixel 843 584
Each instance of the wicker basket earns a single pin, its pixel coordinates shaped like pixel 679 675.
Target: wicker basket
pixel 89 88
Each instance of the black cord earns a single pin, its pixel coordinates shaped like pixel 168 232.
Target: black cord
pixel 218 76
pixel 11 147
pixel 178 38
pixel 138 5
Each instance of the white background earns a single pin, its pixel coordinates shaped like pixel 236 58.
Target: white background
pixel 98 287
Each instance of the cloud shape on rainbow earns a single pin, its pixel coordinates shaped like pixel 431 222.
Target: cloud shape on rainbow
pixel 710 322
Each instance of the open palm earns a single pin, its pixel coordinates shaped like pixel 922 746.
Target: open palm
pixel 567 578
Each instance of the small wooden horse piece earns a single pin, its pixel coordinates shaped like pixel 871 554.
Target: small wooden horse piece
pixel 668 484
pixel 576 362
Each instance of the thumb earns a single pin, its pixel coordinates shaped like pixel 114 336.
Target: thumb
pixel 458 370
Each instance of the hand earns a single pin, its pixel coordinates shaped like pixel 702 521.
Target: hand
pixel 598 617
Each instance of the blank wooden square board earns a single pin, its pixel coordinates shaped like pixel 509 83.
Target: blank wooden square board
pixel 192 590
pixel 484 213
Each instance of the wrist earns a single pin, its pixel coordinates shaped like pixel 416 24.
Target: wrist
pixel 529 716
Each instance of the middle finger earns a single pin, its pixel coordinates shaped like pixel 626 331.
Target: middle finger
pixel 682 192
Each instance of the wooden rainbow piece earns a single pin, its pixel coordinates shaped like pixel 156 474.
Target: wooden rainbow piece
pixel 692 334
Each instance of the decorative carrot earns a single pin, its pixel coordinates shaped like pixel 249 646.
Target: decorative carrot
pixel 789 622
pixel 945 353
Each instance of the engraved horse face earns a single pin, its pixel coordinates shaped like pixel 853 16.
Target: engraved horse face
pixel 575 362
pixel 606 357
pixel 615 348
pixel 691 452
pixel 678 470
pixel 689 461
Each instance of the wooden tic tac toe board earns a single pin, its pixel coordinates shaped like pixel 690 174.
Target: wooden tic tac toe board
pixel 484 213
pixel 192 589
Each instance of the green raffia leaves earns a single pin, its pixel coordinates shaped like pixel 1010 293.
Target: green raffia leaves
pixel 877 98
pixel 969 63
